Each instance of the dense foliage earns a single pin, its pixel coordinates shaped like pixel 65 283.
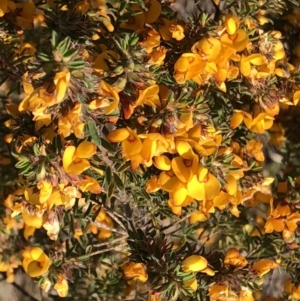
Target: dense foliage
pixel 150 150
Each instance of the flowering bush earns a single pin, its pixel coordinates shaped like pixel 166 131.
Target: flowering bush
pixel 140 147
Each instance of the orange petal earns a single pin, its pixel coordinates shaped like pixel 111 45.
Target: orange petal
pixel 162 162
pixel 68 156
pixel 85 150
pixel 118 135
pixel 178 196
pixel 180 169
pixel 77 167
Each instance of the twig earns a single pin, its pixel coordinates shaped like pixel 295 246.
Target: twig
pixel 110 242
pixel 104 226
pixel 178 222
pixel 107 250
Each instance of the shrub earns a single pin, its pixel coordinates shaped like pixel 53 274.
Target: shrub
pixel 150 149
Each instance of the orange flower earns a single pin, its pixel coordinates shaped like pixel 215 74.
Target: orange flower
pixel 187 67
pixel 75 159
pixel 209 49
pixel 130 141
pixel 108 99
pixel 177 32
pixel 234 258
pixel 203 185
pixel 35 262
pixel 136 271
pixel 263 267
pixel 61 286
pixel 194 263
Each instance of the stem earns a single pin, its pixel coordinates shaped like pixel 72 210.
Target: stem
pixel 108 250
pixel 110 242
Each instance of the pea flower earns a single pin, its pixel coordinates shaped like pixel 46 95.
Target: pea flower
pixel 61 286
pixel 135 271
pixel 263 267
pixel 75 159
pixel 35 262
pixel 194 263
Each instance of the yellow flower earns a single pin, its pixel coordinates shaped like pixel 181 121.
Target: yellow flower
pixel 258 124
pixel 108 99
pixel 149 97
pixel 61 81
pixel 234 258
pixel 203 185
pixel 209 49
pixel 231 24
pixel 185 166
pixel 292 289
pixel 61 286
pixel 152 41
pixel 217 290
pixel 236 39
pixel 177 32
pixel 152 185
pixel 33 219
pixel 164 29
pixel 187 67
pixel 254 148
pixel 75 159
pixel 246 295
pixel 9 267
pixel 82 7
pixel 256 59
pixel 130 141
pixel 138 21
pixel 51 93
pixel 158 55
pixel 35 262
pixel 263 267
pixel 71 123
pixel 89 184
pixel 194 263
pixel 45 191
pixel 198 216
pixel 135 271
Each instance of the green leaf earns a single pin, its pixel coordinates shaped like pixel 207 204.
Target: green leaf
pixel 84 257
pixel 76 65
pixel 107 146
pixel 108 175
pixel 124 167
pixel 44 57
pixel 118 181
pixel 54 39
pixel 22 163
pixel 64 45
pixel 25 168
pixel 111 189
pixel 88 250
pixel 69 54
pixel 93 132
